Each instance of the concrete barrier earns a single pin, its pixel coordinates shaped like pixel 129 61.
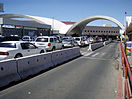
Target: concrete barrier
pixel 64 55
pixel 95 46
pixel 8 72
pixel 33 64
pixel 76 52
pixel 106 42
pixel 20 68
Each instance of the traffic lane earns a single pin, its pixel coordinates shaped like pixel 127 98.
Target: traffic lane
pixel 107 52
pixel 81 78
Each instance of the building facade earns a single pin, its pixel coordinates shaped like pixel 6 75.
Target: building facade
pixel 21 28
pixel 101 31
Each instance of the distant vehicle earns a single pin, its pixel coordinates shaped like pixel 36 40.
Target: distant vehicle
pixel 50 43
pixel 66 37
pixel 79 41
pixel 86 41
pixel 26 38
pixel 69 43
pixel 15 49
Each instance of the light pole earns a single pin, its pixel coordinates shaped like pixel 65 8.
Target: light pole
pixel 125 32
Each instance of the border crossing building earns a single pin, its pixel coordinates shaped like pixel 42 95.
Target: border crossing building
pixel 21 28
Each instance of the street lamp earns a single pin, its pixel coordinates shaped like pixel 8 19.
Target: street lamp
pixel 125 32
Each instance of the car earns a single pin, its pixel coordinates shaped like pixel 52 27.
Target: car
pixel 26 38
pixel 16 49
pixel 79 41
pixel 69 43
pixel 50 43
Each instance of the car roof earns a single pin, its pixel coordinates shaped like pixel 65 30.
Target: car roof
pixel 13 42
pixel 46 36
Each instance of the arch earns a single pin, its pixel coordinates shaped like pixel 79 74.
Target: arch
pixel 55 24
pixel 80 25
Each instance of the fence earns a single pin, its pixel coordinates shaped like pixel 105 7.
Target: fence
pixel 127 74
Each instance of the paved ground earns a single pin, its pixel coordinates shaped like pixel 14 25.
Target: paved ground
pixel 92 76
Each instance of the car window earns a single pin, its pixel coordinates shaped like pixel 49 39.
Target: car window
pixel 8 45
pixel 77 39
pixel 27 46
pixel 42 40
pixel 51 40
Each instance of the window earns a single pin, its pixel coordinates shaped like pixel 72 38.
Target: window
pixel 51 40
pixel 42 40
pixel 27 46
pixel 8 45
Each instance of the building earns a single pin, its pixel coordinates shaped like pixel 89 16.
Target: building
pixel 101 31
pixel 21 28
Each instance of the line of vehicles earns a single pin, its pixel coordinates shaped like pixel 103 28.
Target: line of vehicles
pixel 15 47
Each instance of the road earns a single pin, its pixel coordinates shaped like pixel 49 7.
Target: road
pixel 91 76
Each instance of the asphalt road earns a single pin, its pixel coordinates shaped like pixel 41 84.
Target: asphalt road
pixel 91 76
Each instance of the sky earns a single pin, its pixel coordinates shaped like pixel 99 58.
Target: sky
pixel 70 10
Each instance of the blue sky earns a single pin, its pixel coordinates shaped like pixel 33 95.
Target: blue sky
pixel 70 10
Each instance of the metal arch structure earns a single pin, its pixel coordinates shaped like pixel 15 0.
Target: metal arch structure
pixel 63 28
pixel 80 25
pixel 55 24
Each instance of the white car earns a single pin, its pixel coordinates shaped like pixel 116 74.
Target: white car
pixel 50 43
pixel 79 41
pixel 26 38
pixel 15 49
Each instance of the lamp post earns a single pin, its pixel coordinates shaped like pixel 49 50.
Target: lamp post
pixel 125 32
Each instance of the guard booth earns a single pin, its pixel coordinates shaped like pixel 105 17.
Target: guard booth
pixel 10 27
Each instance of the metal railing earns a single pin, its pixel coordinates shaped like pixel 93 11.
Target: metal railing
pixel 127 74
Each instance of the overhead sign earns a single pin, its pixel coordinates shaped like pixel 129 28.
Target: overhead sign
pixel 1 7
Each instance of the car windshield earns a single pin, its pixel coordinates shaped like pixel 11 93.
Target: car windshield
pixel 77 39
pixel 8 45
pixel 42 40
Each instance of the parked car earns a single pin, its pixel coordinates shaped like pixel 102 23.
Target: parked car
pixel 69 43
pixel 50 43
pixel 15 49
pixel 79 41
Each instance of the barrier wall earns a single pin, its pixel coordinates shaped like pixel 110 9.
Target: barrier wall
pixel 33 64
pixel 95 46
pixel 8 72
pixel 107 42
pixel 64 55
pixel 14 70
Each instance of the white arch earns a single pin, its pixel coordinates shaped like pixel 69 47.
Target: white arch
pixel 55 24
pixel 80 25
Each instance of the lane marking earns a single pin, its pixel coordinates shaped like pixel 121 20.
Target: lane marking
pixel 88 54
pixel 95 54
pixel 83 53
pixel 96 58
pixel 102 54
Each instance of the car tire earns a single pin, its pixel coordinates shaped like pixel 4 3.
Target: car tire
pixel 53 49
pixel 18 55
pixel 42 51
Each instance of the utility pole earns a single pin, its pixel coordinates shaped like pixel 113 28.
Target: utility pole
pixel 125 32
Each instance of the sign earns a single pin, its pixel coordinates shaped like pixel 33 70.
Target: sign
pixel 1 7
pixel 128 48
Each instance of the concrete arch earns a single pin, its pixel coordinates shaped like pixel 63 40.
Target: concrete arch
pixel 55 24
pixel 80 25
